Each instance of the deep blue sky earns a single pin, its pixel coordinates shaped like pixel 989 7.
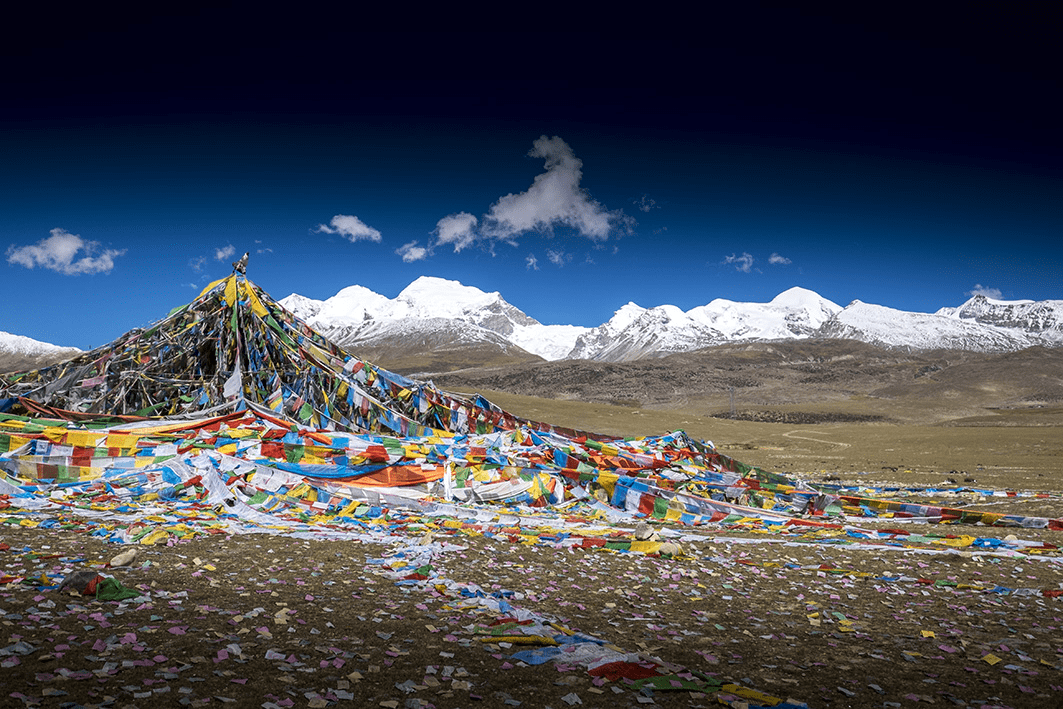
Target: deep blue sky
pixel 907 160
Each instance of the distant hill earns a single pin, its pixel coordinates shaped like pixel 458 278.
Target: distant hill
pixel 842 376
pixel 18 353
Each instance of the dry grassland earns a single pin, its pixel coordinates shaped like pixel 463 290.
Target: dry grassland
pixel 1020 449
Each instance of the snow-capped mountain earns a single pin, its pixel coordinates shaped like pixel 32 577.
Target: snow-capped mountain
pixel 437 314
pixel 18 352
pixel 1043 318
pixel 886 327
pixel 437 324
pixel 27 346
pixel 635 332
pixel 431 312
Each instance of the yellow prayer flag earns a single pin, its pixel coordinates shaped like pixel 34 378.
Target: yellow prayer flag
pixel 608 481
pixel 54 434
pixel 83 439
pixel 256 304
pixel 154 537
pixel 230 291
pixel 122 440
pixel 964 540
pixel 209 287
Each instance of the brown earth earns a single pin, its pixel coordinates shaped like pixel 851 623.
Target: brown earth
pixel 823 377
pixel 15 362
pixel 254 619
pixel 812 408
pixel 443 357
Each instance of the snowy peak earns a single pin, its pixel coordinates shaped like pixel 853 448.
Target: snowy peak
pixel 439 314
pixel 796 312
pixel 887 327
pixel 431 312
pixel 798 298
pixel 1043 317
pixel 634 332
pixel 18 352
pixel 444 319
pixel 20 344
pixel 430 297
pixel 351 306
pixel 625 316
pixel 302 307
pixel 437 297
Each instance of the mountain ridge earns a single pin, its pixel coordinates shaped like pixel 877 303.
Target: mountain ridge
pixel 19 352
pixel 437 325
pixel 456 314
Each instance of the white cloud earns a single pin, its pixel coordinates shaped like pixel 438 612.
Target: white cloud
pixel 532 262
pixel 225 252
pixel 457 229
pixel 59 252
pixel 558 258
pixel 197 263
pixel 777 260
pixel 645 203
pixel 555 197
pixel 266 250
pixel 412 252
pixel 351 228
pixel 988 292
pixel 743 263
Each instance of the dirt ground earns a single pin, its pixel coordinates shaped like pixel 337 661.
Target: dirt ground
pixel 274 621
pixel 819 617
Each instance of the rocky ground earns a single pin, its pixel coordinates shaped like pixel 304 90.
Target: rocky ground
pixel 273 621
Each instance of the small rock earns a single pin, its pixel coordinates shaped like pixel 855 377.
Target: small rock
pixel 644 532
pixel 126 557
pixel 670 549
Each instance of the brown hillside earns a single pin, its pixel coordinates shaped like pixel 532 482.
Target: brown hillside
pixel 830 380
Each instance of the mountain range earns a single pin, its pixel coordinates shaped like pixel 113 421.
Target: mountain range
pixel 439 316
pixel 438 325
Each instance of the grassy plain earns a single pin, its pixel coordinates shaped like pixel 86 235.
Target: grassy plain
pixel 1010 448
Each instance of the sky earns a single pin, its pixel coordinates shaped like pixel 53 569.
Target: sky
pixel 571 164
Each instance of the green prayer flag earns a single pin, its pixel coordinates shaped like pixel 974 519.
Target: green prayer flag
pixel 293 454
pixel 110 589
